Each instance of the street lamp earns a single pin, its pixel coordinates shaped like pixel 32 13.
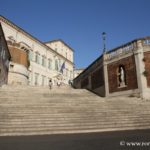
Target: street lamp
pixel 104 41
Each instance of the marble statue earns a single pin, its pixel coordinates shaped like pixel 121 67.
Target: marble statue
pixel 122 74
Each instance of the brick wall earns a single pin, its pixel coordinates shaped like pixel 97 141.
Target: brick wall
pixel 84 82
pixel 130 69
pixel 19 56
pixel 97 78
pixel 147 67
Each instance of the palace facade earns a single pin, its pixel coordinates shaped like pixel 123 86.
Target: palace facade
pixel 34 62
pixel 124 70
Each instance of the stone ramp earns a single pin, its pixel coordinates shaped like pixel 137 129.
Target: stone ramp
pixel 40 111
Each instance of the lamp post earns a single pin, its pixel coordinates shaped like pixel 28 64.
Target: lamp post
pixel 104 41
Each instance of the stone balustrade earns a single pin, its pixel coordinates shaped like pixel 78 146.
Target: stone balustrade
pixel 119 52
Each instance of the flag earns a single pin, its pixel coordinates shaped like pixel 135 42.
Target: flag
pixel 62 67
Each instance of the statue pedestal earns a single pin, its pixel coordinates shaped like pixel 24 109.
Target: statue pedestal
pixel 122 84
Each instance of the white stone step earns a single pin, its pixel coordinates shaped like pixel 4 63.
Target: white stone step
pixel 28 110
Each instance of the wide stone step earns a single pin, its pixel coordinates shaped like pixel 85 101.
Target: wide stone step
pixel 28 121
pixel 62 98
pixel 68 129
pixel 22 126
pixel 78 126
pixel 73 113
pixel 38 90
pixel 37 110
pixel 73 107
pixel 82 106
pixel 26 95
pixel 68 110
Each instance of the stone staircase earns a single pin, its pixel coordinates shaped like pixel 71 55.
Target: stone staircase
pixel 39 111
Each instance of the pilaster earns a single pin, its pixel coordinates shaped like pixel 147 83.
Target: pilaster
pixel 140 68
pixel 105 76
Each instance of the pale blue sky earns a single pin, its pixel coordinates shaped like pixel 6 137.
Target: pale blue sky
pixel 80 22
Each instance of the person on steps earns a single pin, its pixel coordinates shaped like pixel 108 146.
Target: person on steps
pixel 58 83
pixel 50 84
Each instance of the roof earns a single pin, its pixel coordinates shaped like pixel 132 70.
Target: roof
pixel 30 36
pixel 59 40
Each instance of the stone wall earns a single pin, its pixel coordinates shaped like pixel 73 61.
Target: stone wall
pixel 130 74
pixel 147 67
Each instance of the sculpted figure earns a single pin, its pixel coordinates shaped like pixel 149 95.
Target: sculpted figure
pixel 122 75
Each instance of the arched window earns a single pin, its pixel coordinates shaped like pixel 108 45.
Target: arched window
pixel 121 76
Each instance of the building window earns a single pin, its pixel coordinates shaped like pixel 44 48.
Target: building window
pixel 49 64
pixel 36 78
pixel 43 80
pixel 121 76
pixel 43 61
pixel 37 57
pixel 59 63
pixel 56 65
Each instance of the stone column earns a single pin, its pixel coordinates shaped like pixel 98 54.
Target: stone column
pixel 140 68
pixel 106 85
